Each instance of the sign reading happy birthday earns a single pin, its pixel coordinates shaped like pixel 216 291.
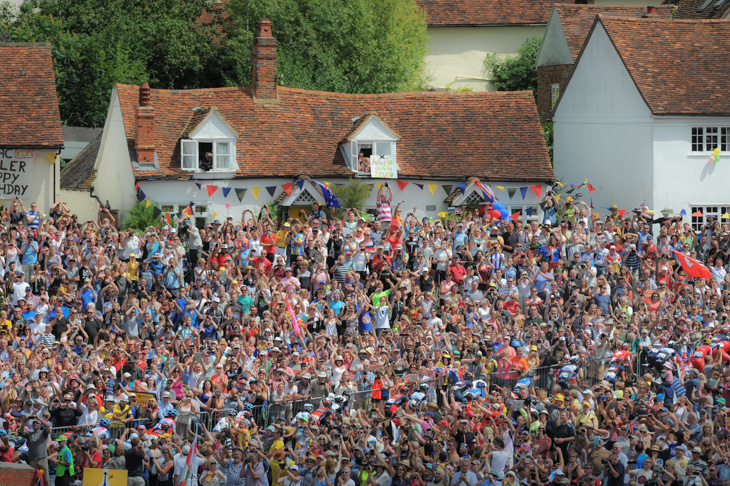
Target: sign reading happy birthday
pixel 383 167
pixel 16 169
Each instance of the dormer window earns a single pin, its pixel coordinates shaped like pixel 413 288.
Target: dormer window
pixel 370 140
pixel 208 144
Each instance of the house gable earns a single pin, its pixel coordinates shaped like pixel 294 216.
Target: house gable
pixel 600 85
pixel 212 126
pixel 554 49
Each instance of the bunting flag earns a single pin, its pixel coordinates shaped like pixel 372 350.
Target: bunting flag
pixel 516 216
pixel 462 188
pixel 156 212
pixel 379 185
pixel 136 186
pixel 401 184
pixel 215 215
pixel 511 192
pixel 683 213
pixel 271 190
pixel 432 188
pixel 537 189
pixel 529 211
pixel 287 188
pixel 192 204
pixel 188 211
pixel 300 183
pixel 148 203
pixel 501 188
pixel 199 185
pixel 211 189
pixel 591 188
pixel 256 191
pixel 329 197
pixel 448 188
pixel 725 216
pixel 697 214
pixel 226 191
pixel 621 212
pixel 240 193
pixel 169 220
pixel 141 196
pixel 420 186
pixel 523 191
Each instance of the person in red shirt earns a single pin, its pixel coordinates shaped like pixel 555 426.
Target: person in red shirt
pixel 262 263
pixel 379 260
pixel 458 272
pixel 268 240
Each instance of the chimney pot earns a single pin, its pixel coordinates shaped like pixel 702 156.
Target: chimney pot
pixel 264 28
pixel 145 94
pixel 263 57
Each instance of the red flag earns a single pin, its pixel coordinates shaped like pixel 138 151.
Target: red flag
pixel 187 211
pixel 697 214
pixel 515 216
pixel 537 188
pixel 402 184
pixel 621 212
pixel 692 268
pixel 287 188
pixel 169 222
pixel 211 189
pixel 591 188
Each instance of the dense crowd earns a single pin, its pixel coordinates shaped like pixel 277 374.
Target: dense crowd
pixel 339 348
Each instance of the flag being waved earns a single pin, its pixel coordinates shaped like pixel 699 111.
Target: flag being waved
pixel 691 267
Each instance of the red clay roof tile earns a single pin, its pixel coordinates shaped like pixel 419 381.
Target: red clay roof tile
pixel 444 13
pixel 715 9
pixel 679 66
pixel 28 102
pixel 443 135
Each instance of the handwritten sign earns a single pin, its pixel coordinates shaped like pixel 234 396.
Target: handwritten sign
pixel 383 167
pixel 143 398
pixel 16 169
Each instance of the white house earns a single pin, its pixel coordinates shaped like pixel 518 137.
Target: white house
pixel 31 135
pixel 270 143
pixel 644 108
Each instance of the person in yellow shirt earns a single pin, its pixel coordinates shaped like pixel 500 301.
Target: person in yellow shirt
pixel 133 269
pixel 276 455
pixel 107 410
pixel 5 324
pixel 122 412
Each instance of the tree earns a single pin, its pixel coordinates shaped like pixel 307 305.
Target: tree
pixel 352 195
pixel 97 43
pixel 515 73
pixel 140 217
pixel 356 46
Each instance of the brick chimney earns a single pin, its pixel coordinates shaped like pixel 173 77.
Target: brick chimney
pixel 263 77
pixel 650 12
pixel 145 129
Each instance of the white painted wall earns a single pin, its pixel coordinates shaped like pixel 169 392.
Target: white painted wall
pixel 114 177
pixel 683 178
pixel 80 203
pixel 603 129
pixel 182 192
pixel 44 186
pixel 460 51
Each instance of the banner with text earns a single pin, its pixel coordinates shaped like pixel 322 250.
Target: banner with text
pixel 383 167
pixel 16 169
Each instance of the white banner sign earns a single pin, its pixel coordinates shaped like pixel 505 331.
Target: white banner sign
pixel 383 167
pixel 16 169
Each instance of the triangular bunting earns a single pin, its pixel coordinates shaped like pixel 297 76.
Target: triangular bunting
pixel 379 184
pixel 621 212
pixel 432 188
pixel 192 204
pixel 148 203
pixel 447 188
pixel 215 215
pixel 420 186
pixel 462 187
pixel 156 212
pixel 169 221
pixel 529 211
pixel 501 188
pixel 683 213
pixel 697 214
pixel 211 189
pixel 511 192
pixel 288 188
pixel 199 185
pixel 515 216
pixel 188 211
pixel 725 216
pixel 402 184
pixel 271 190
pixel 591 188
pixel 256 191
pixel 136 186
pixel 523 191
pixel 300 183
pixel 240 193
pixel 226 191
pixel 537 189
pixel 141 196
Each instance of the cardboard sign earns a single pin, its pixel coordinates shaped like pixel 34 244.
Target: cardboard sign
pixel 383 167
pixel 16 169
pixel 105 477
pixel 143 398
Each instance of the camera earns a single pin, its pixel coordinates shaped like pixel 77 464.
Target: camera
pixel 605 461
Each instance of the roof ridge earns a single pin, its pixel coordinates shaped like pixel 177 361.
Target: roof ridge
pixel 25 44
pixel 614 18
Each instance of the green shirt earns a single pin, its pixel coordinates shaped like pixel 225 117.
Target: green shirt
pixel 379 295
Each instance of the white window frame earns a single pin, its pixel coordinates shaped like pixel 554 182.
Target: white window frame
pixel 524 218
pixel 710 212
pixel 705 139
pixel 233 165
pixel 200 211
pixel 554 94
pixel 373 145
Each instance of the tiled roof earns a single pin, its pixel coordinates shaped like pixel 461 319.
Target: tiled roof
pixel 28 101
pixel 493 135
pixel 679 66
pixel 79 174
pixel 703 9
pixel 577 20
pixel 445 13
